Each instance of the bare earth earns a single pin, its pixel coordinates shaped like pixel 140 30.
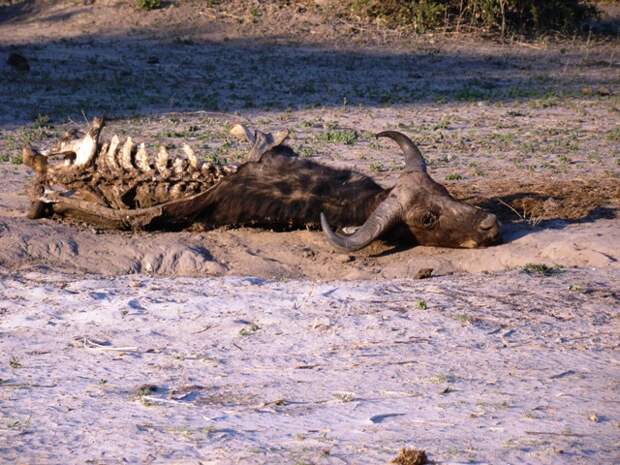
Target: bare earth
pixel 269 347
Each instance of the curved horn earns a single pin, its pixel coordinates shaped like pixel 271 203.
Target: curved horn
pixel 384 216
pixel 413 157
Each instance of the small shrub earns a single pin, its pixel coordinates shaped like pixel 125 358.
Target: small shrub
pixel 614 135
pixel 249 329
pixel 148 4
pixel 376 167
pixel 41 121
pixel 541 269
pixel 345 136
pixel 499 15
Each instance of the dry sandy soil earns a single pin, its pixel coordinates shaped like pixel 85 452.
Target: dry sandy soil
pixel 268 347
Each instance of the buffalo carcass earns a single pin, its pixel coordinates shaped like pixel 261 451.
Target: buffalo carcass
pixel 114 185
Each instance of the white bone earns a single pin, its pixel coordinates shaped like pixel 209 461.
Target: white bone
pixel 87 147
pixel 110 156
pixel 125 155
pixel 142 159
pixel 178 166
pixel 161 163
pixel 191 156
pixel 85 150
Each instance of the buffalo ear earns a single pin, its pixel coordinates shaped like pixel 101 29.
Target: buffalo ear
pixel 261 142
pixel 241 131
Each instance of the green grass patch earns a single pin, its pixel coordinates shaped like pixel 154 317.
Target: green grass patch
pixel 541 269
pixel 339 136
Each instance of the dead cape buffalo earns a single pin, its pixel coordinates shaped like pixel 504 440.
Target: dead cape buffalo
pixel 114 185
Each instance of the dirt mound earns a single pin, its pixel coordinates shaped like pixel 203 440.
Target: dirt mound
pixel 538 200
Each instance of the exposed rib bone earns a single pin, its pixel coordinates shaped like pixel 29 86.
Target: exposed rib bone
pixel 142 159
pixel 125 156
pixel 113 174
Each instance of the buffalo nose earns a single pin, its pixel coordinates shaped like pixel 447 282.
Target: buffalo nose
pixel 489 222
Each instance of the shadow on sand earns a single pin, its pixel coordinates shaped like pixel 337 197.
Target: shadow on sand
pixel 143 72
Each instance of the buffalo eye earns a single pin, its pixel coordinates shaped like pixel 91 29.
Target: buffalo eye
pixel 428 220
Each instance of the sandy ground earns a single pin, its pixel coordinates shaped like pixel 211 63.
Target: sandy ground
pixel 508 368
pixel 268 347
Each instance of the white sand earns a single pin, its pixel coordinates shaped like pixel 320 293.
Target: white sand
pixel 504 368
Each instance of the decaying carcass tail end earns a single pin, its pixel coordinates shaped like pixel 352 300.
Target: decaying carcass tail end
pixel 424 207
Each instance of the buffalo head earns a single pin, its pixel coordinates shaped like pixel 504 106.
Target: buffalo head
pixel 424 207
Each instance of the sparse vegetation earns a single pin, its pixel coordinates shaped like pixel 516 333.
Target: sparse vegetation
pixel 376 167
pixel 146 389
pixel 249 329
pixel 521 16
pixel 339 136
pixel 614 135
pixel 541 269
pixel 465 319
pixel 148 4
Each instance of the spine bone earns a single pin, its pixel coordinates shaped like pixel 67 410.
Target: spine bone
pixel 142 159
pixel 162 162
pixel 110 156
pixel 191 156
pixel 88 145
pixel 125 156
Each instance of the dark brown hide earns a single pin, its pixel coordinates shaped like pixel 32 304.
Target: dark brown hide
pixel 283 191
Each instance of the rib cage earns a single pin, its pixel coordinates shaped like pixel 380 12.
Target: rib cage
pixel 122 175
